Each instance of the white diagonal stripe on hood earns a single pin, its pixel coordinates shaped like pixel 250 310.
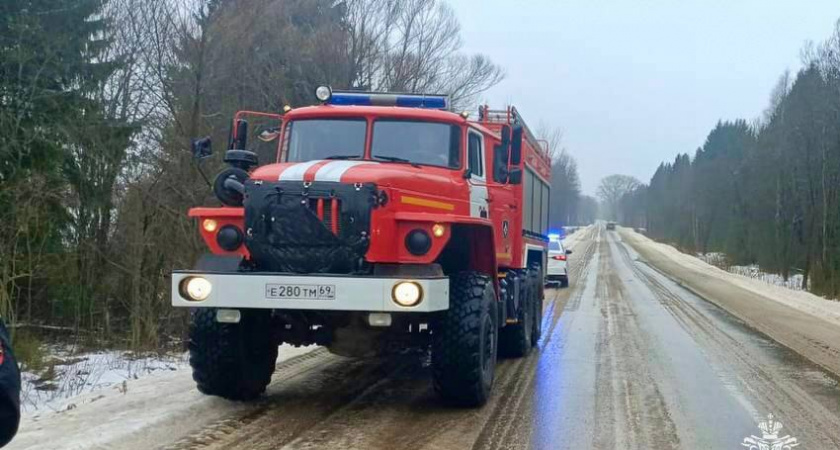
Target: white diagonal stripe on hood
pixel 333 171
pixel 296 172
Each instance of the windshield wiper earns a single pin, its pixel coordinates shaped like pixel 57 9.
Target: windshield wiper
pixel 343 157
pixel 396 159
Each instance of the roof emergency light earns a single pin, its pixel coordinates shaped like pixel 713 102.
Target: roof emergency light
pixel 362 98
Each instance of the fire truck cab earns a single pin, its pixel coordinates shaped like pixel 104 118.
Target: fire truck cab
pixel 385 222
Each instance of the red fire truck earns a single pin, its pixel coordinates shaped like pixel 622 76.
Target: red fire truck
pixel 385 222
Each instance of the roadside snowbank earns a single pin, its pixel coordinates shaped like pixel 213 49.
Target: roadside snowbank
pixel 135 412
pixel 69 375
pixel 580 234
pixel 803 301
pixel 794 282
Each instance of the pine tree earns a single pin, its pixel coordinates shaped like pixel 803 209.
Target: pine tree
pixel 50 66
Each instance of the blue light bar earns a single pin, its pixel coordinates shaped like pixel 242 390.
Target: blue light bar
pixel 347 98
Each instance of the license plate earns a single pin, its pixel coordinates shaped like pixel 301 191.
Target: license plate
pixel 300 291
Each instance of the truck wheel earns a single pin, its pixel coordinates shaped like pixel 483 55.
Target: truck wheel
pixel 465 340
pixel 232 360
pixel 538 307
pixel 515 339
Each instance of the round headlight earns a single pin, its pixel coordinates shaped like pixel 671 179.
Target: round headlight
pixel 229 238
pixel 196 288
pixel 418 242
pixel 438 230
pixel 323 93
pixel 407 293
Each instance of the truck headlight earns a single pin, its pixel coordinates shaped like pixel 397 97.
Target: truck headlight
pixel 407 293
pixel 195 288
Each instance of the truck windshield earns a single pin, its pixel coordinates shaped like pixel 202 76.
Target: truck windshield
pixel 326 138
pixel 428 143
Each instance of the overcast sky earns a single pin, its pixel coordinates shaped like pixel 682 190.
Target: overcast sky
pixel 633 82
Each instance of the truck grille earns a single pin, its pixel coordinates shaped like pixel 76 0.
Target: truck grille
pixel 322 227
pixel 327 210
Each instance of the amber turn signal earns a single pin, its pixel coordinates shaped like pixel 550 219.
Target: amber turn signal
pixel 210 225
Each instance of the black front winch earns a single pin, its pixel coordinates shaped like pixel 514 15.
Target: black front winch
pixel 319 227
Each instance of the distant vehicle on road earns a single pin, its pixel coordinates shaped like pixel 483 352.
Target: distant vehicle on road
pixel 611 226
pixel 558 270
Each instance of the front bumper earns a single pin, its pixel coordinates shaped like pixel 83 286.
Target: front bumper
pixel 352 293
pixel 556 270
pixel 557 277
pixel 558 273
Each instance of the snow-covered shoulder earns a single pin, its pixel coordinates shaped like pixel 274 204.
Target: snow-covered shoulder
pixel 140 411
pixel 580 234
pixel 803 301
pixel 68 375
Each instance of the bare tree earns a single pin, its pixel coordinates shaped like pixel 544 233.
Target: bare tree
pixel 553 137
pixel 414 46
pixel 612 189
pixel 777 95
pixel 565 181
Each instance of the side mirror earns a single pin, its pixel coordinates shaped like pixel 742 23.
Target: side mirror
pixel 500 164
pixel 202 148
pixel 241 139
pixel 242 159
pixel 515 175
pixel 516 146
pixel 505 132
pixel 568 252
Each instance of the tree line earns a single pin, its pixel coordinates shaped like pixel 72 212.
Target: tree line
pixel 567 205
pixel 764 192
pixel 99 101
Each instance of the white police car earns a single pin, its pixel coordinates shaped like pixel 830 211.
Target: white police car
pixel 558 271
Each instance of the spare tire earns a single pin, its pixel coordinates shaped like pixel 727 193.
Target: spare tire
pixel 227 196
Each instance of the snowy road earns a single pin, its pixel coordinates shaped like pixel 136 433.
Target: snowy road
pixel 629 359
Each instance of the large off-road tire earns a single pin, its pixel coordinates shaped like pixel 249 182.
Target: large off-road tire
pixel 234 361
pixel 515 339
pixel 539 280
pixel 537 307
pixel 464 341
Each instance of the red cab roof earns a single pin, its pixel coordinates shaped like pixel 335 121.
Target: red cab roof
pixel 310 112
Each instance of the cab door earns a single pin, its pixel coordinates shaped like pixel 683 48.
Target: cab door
pixel 477 180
